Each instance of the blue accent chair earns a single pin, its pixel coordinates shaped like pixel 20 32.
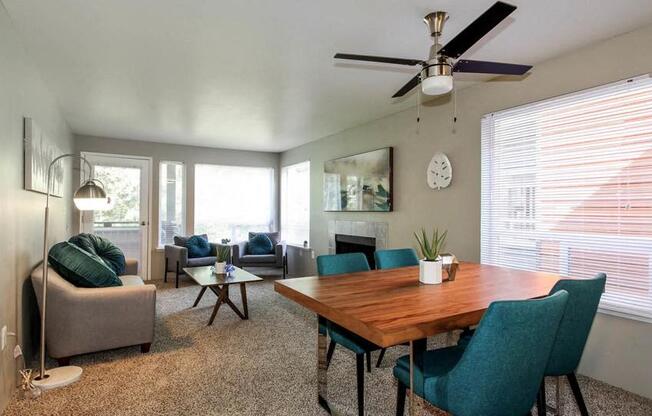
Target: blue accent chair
pixel 499 372
pixel 584 297
pixel 334 264
pixel 395 258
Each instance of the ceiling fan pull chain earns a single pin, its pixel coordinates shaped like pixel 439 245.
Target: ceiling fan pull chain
pixel 454 106
pixel 418 109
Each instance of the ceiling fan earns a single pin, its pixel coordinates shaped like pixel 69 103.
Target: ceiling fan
pixel 436 74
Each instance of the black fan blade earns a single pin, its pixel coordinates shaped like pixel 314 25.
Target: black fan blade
pixel 476 30
pixel 484 67
pixel 367 58
pixel 408 87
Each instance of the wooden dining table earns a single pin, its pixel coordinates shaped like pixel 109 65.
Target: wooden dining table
pixel 391 307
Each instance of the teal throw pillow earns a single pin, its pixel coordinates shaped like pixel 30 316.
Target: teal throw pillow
pixel 260 244
pixel 103 248
pixel 81 268
pixel 198 246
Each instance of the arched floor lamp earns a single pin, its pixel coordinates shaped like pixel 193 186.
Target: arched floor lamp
pixel 89 196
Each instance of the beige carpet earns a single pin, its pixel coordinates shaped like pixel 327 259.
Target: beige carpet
pixel 264 366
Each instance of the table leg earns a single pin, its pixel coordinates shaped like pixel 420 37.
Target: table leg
pixel 322 380
pixel 235 308
pixel 417 348
pixel 243 295
pixel 223 293
pixel 201 293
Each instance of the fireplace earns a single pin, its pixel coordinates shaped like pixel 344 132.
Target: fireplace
pixel 345 243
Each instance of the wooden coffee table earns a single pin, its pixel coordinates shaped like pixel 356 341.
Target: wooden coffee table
pixel 219 284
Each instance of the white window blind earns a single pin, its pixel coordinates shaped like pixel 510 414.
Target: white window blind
pixel 230 201
pixel 171 202
pixel 295 203
pixel 567 189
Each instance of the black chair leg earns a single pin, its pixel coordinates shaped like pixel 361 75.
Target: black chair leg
pixel 177 283
pixel 329 354
pixel 165 271
pixel 400 399
pixel 368 362
pixel 541 399
pixel 575 387
pixel 380 358
pixel 359 361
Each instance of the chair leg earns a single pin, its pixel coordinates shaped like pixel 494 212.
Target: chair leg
pixel 575 387
pixel 177 277
pixel 329 354
pixel 541 399
pixel 165 271
pixel 359 361
pixel 400 399
pixel 368 362
pixel 380 357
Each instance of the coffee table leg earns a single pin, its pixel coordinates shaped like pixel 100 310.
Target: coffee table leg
pixel 223 295
pixel 201 293
pixel 243 295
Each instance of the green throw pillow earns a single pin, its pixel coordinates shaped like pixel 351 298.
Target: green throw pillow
pixel 103 248
pixel 198 246
pixel 260 244
pixel 81 268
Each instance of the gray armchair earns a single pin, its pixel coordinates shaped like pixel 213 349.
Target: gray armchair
pixel 176 256
pixel 83 320
pixel 242 259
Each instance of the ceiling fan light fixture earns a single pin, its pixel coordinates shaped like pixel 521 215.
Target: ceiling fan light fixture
pixel 437 85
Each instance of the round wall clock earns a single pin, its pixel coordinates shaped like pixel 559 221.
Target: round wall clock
pixel 440 171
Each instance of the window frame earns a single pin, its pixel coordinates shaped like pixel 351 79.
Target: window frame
pixel 184 202
pixel 282 196
pixel 273 194
pixel 622 298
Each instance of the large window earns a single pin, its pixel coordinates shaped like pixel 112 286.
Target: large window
pixel 295 203
pixel 567 189
pixel 171 202
pixel 230 201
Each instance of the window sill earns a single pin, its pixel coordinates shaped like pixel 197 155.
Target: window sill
pixel 614 311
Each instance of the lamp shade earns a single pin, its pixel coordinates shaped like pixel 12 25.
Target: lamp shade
pixel 437 84
pixel 90 197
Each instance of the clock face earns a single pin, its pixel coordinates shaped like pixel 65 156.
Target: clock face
pixel 440 171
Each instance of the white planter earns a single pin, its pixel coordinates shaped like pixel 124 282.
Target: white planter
pixel 219 267
pixel 430 272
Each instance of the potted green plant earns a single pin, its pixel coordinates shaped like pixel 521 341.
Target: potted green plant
pixel 430 262
pixel 223 254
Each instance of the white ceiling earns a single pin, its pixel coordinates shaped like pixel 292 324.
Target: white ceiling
pixel 259 75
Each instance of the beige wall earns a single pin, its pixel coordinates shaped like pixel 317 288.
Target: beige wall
pixel 618 351
pixel 189 155
pixel 22 93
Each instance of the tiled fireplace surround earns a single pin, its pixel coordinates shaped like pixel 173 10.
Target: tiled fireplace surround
pixel 377 230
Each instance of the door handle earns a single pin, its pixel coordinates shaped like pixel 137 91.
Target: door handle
pixel 143 223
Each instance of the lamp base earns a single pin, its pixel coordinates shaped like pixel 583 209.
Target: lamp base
pixel 59 377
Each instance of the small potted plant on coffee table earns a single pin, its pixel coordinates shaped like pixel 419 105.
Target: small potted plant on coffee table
pixel 431 262
pixel 223 254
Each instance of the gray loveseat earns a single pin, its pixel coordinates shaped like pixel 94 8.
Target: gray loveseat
pixel 242 258
pixel 83 320
pixel 176 255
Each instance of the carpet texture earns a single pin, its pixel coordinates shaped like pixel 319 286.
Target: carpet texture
pixel 263 366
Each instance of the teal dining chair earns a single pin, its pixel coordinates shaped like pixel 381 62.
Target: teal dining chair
pixel 500 370
pixel 584 297
pixel 393 259
pixel 334 264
